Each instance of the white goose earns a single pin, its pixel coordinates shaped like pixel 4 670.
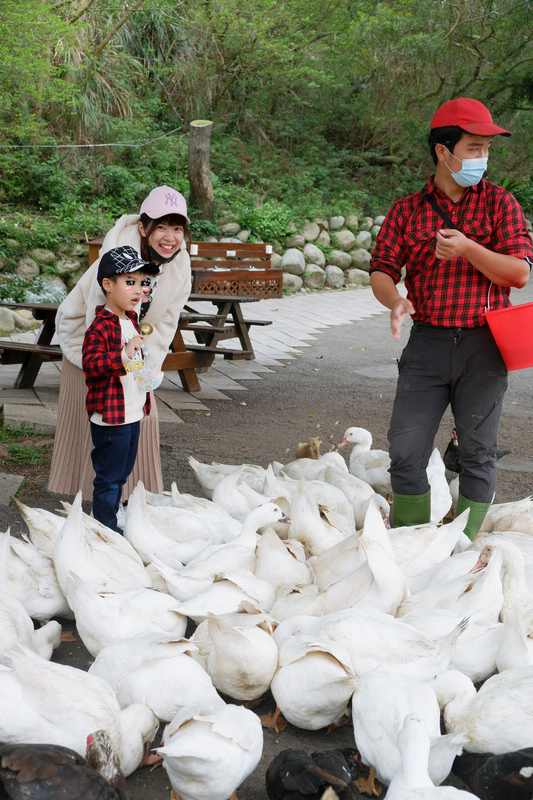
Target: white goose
pixel 418 548
pixel 43 526
pixel 227 594
pixel 238 652
pixel 209 475
pixel 41 701
pixel 380 703
pixel 210 749
pixel 104 618
pixel 524 541
pixel 97 554
pixel 500 514
pixel 376 583
pixel 155 670
pixel 338 561
pixel 516 649
pixel 370 638
pixel 183 526
pixel 234 495
pixel 369 465
pixel 497 719
pixel 357 492
pixel 281 563
pixel 465 594
pixel 314 681
pixel 516 592
pixel 236 556
pixel 16 628
pixel 28 575
pixel 221 520
pixel 183 587
pixel 441 497
pixel 312 468
pixel 146 539
pixel 454 566
pixel 315 533
pixel 412 781
pixel 477 650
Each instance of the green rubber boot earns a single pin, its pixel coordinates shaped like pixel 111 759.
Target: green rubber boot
pixel 411 509
pixel 478 512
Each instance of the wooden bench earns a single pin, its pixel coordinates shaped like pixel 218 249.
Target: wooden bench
pixel 32 354
pixel 229 274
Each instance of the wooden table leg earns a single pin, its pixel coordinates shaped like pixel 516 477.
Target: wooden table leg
pixel 186 362
pixel 32 364
pixel 242 328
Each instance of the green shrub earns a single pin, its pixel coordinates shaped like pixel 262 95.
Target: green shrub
pixel 19 289
pixel 522 191
pixel 270 222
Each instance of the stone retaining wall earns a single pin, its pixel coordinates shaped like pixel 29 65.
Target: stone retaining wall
pixel 328 252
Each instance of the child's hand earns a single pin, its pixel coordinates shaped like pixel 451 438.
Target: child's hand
pixel 133 346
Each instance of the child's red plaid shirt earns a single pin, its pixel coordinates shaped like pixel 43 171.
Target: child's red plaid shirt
pixel 103 366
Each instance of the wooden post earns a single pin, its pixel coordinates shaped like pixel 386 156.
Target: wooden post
pixel 199 168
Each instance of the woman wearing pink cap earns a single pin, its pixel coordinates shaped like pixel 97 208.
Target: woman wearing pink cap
pixel 159 233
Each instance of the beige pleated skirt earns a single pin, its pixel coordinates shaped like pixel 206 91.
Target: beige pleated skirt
pixel 71 468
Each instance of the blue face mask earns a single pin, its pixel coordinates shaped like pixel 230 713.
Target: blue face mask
pixel 471 172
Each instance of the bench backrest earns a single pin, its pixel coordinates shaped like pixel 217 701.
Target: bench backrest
pixel 234 268
pixel 250 265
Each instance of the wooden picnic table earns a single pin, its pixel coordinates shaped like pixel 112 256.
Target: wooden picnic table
pixel 226 275
pixel 225 322
pixel 32 354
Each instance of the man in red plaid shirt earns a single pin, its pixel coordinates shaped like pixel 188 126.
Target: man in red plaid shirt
pixel 463 242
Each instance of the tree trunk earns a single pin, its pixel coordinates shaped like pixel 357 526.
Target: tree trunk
pixel 199 169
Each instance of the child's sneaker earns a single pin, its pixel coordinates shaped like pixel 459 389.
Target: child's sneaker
pixel 121 516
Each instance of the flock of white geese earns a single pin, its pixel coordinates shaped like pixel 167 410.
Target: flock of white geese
pixel 295 584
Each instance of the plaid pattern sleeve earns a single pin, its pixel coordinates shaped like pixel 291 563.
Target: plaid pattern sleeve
pixel 451 293
pixel 103 367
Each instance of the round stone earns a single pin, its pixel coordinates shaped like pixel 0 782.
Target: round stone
pixel 334 277
pixel 314 255
pixel 293 261
pixel 292 283
pixel 314 277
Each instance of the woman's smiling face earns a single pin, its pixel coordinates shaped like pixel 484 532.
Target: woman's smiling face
pixel 165 239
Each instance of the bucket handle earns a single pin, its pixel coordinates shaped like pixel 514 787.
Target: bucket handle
pixel 487 305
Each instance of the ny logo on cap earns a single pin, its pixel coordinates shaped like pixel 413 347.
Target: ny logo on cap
pixel 171 199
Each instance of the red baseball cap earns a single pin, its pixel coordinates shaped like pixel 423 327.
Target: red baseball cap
pixel 468 114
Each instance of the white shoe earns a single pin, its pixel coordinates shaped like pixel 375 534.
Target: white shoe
pixel 121 516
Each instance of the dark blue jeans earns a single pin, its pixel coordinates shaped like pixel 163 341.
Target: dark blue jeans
pixel 113 457
pixel 461 367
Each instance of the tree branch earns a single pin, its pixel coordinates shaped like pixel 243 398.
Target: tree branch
pixel 63 3
pixel 125 17
pixel 432 92
pixel 82 12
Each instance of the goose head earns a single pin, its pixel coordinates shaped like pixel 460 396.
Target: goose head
pixel 265 514
pixel 360 437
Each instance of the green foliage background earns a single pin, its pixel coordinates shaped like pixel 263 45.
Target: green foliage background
pixel 319 106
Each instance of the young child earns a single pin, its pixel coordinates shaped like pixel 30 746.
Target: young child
pixel 112 358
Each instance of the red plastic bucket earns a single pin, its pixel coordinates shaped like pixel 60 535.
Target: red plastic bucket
pixel 512 328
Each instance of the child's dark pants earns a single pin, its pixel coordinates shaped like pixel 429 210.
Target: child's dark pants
pixel 113 457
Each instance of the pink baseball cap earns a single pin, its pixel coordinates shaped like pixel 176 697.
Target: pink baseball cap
pixel 162 201
pixel 468 114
